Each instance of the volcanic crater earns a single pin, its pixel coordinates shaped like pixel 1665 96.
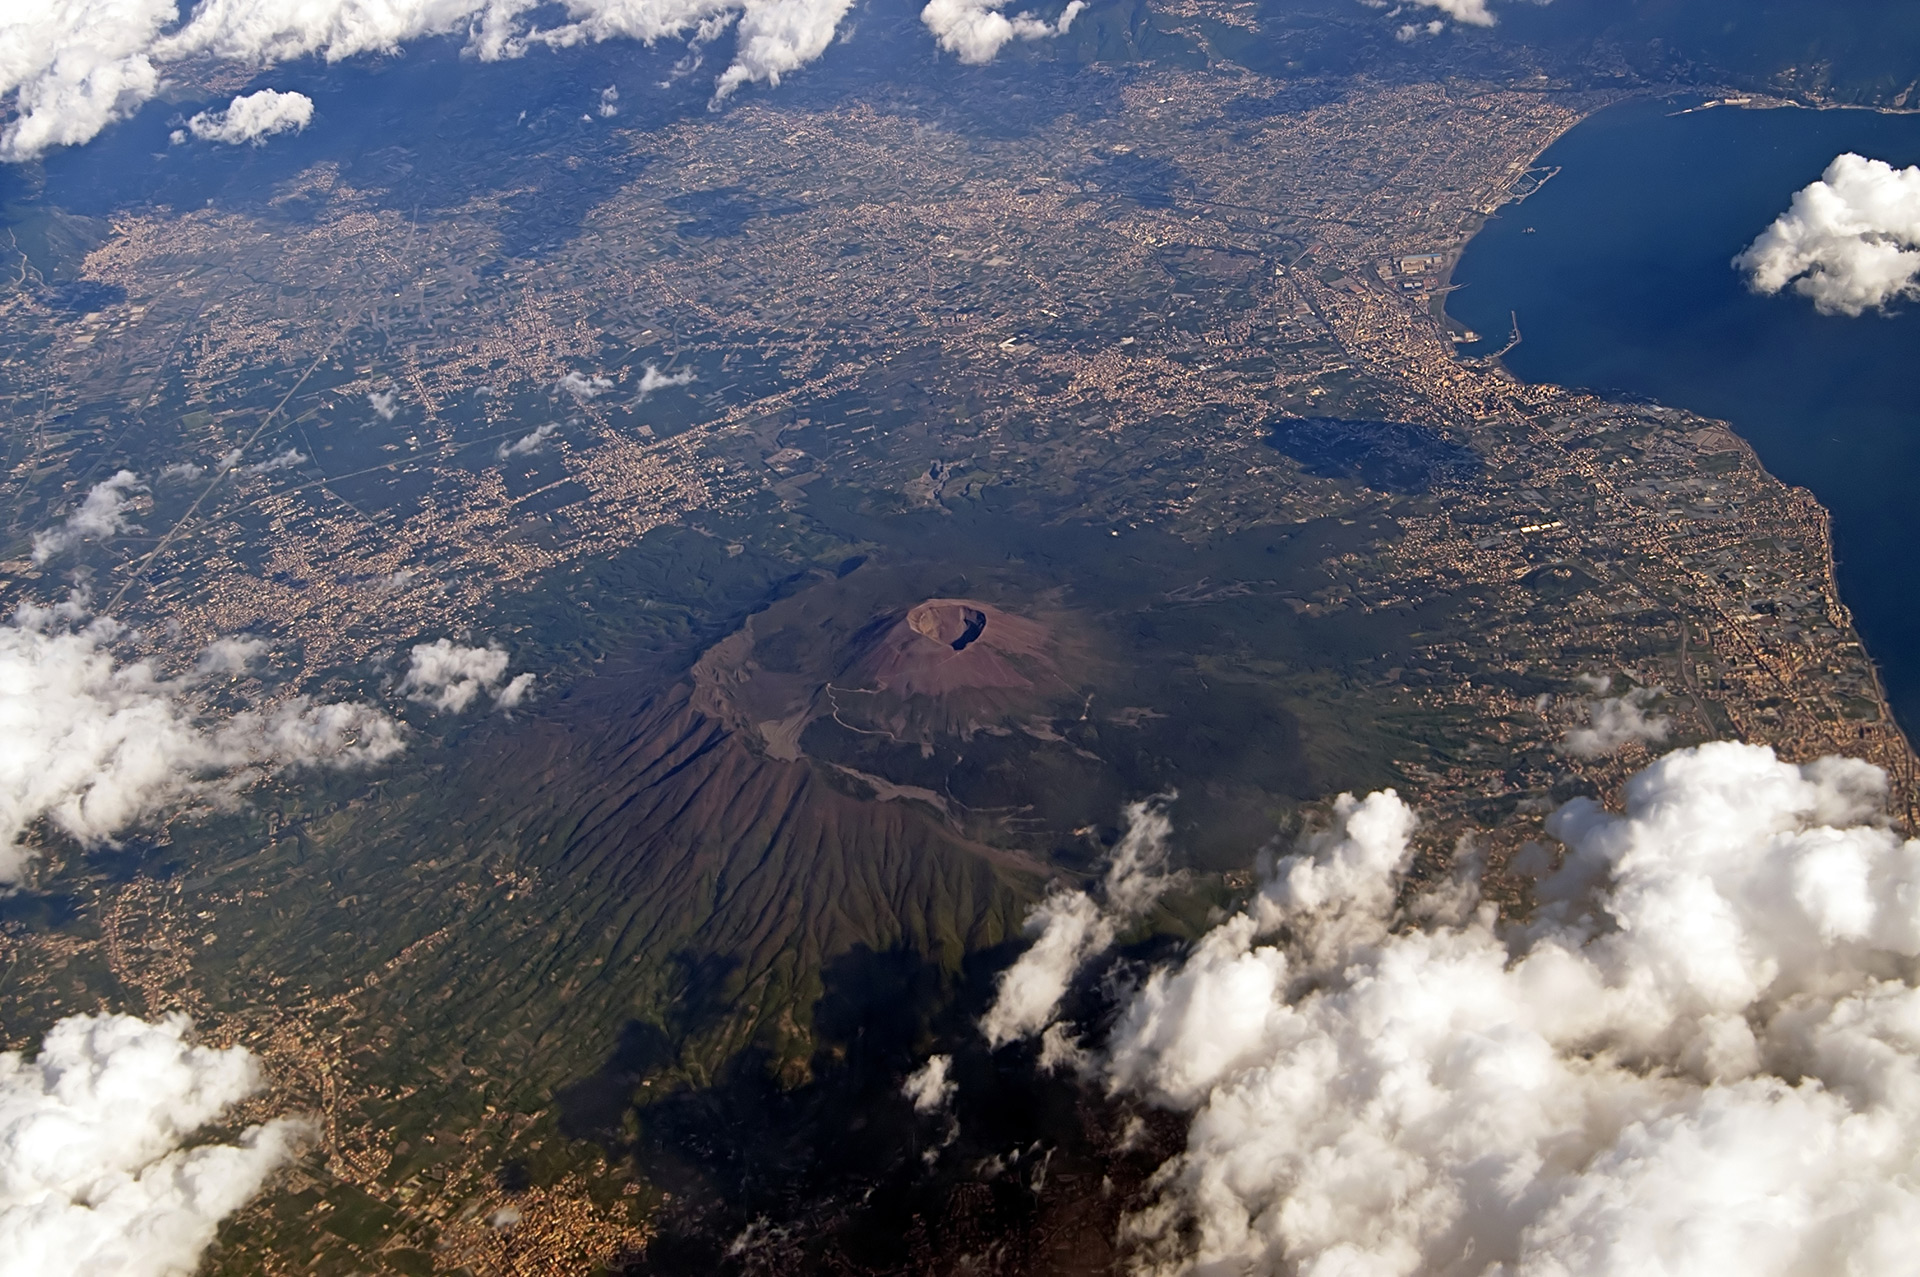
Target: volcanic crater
pixel 909 672
pixel 947 647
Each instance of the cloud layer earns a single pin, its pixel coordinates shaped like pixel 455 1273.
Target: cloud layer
pixel 94 746
pixel 1702 1055
pixel 93 1175
pixel 1849 242
pixel 254 117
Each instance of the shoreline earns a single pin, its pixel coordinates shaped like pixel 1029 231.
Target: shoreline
pixel 1904 775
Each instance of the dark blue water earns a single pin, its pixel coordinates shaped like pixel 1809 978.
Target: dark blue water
pixel 1619 273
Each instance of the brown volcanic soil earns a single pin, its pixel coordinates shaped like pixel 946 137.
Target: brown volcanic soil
pixel 1015 718
pixel 705 884
pixel 909 671
pixel 947 646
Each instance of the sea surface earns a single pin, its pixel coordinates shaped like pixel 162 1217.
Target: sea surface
pixel 1619 272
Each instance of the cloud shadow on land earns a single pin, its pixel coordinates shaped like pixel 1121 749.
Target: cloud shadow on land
pixel 422 133
pixel 839 1173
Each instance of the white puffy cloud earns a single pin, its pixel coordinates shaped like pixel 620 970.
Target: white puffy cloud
pixel 72 67
pixel 1472 12
pixel 1071 926
pixel 383 402
pixel 532 441
pixel 102 514
pixel 261 32
pixel 1700 1056
pixel 254 117
pixel 1849 242
pixel 975 30
pixel 229 656
pixel 774 37
pixel 1068 928
pixel 287 459
pixel 450 677
pixel 94 746
pixel 778 37
pixel 1617 721
pixel 585 386
pixel 652 379
pixel 69 68
pixel 95 1177
pixel 929 1087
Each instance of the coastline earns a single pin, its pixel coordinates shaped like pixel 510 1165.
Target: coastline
pixel 1896 757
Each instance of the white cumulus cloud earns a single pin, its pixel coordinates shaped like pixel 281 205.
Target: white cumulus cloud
pixel 929 1087
pixel 778 37
pixel 94 746
pixel 254 117
pixel 288 459
pixel 102 514
pixel 585 386
pixel 69 68
pixel 229 656
pixel 261 32
pixel 1701 1055
pixel 95 1174
pixel 1849 242
pixel 1472 12
pixel 532 441
pixel 975 30
pixel 652 379
pixel 450 677
pixel 1617 721
pixel 1070 927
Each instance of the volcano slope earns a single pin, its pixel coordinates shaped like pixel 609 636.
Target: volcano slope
pixel 763 765
pixel 806 767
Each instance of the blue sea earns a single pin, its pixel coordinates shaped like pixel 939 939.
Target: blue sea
pixel 1619 271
